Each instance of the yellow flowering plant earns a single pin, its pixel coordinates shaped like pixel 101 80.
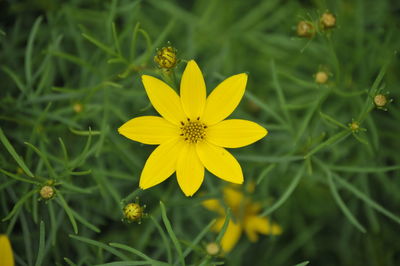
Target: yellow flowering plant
pixel 191 133
pixel 245 218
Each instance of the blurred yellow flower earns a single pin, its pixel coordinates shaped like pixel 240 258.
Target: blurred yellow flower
pixel 192 133
pixel 245 218
pixel 6 253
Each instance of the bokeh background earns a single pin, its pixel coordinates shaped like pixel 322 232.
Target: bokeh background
pixel 70 76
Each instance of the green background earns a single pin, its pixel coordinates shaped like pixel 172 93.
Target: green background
pixel 334 192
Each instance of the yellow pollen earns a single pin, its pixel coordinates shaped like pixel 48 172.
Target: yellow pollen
pixel 193 131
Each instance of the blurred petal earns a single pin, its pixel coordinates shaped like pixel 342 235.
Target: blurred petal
pixel 254 225
pixel 214 205
pixel 224 99
pixel 6 253
pixel 235 133
pixel 220 162
pixel 161 164
pixel 233 198
pixel 164 99
pixel 189 170
pixel 231 236
pixel 149 130
pixel 193 91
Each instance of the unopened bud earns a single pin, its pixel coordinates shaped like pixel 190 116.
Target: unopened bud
pixel 328 20
pixel 305 29
pixel 380 100
pixel 321 77
pixel 213 249
pixel 354 126
pixel 166 57
pixel 78 107
pixel 133 212
pixel 46 192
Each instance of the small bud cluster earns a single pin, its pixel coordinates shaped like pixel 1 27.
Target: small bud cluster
pixel 308 29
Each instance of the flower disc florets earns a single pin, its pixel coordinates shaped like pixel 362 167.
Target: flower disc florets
pixel 193 131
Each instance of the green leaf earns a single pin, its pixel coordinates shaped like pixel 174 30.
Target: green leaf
pixel 292 186
pixel 68 211
pixel 136 252
pixel 17 177
pixel 41 250
pixel 29 51
pixel 101 246
pixel 19 203
pixel 342 205
pixel 14 154
pixel 304 263
pixel 366 199
pixel 224 226
pixel 164 238
pixel 335 138
pixel 171 233
pixel 99 44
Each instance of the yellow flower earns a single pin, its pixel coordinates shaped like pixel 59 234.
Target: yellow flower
pixel 6 253
pixel 245 218
pixel 192 133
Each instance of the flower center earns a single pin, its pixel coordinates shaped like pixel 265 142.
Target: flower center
pixel 193 131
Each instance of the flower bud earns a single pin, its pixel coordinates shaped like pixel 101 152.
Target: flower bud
pixel 305 29
pixel 78 107
pixel 166 57
pixel 133 212
pixel 380 100
pixel 46 192
pixel 213 249
pixel 354 126
pixel 328 20
pixel 321 77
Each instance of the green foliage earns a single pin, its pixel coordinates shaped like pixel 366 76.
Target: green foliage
pixel 70 76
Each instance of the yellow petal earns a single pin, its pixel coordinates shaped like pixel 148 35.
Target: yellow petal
pixel 214 205
pixel 233 198
pixel 224 99
pixel 220 162
pixel 164 99
pixel 235 133
pixel 149 130
pixel 193 91
pixel 161 164
pixel 189 170
pixel 231 236
pixel 6 253
pixel 254 225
